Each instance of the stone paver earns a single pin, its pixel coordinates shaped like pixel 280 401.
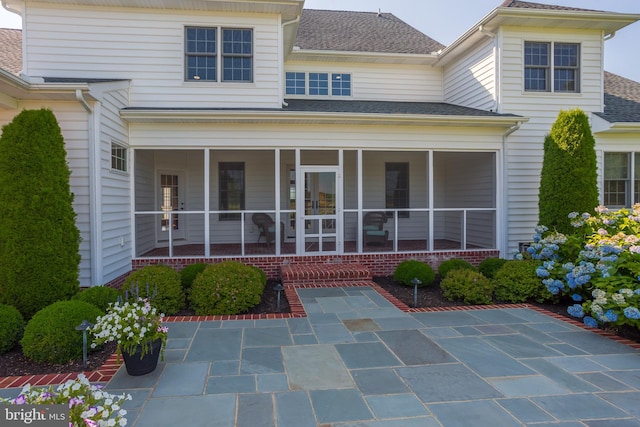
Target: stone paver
pixel 357 361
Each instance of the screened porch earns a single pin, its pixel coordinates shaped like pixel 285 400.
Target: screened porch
pixel 234 203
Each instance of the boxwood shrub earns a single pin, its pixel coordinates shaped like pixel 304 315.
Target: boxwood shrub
pixel 100 296
pixel 453 264
pixel 229 287
pixel 160 283
pixel 490 266
pixel 468 286
pixel 516 281
pixel 51 335
pixel 409 269
pixel 11 327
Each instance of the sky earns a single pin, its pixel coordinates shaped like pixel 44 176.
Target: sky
pixel 446 20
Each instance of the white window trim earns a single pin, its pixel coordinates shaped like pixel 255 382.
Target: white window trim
pixel 219 56
pixel 125 147
pixel 330 87
pixel 551 68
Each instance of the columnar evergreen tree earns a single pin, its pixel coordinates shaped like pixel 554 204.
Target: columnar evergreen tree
pixel 39 240
pixel 569 180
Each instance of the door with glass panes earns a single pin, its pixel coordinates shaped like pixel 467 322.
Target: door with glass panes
pixel 319 212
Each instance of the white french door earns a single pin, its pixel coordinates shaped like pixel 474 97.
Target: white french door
pixel 319 214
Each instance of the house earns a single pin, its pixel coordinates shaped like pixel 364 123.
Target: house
pixel 183 119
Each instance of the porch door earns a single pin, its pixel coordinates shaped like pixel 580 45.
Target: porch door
pixel 319 212
pixel 171 198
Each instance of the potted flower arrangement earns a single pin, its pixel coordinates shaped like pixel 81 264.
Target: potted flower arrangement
pixel 137 329
pixel 89 405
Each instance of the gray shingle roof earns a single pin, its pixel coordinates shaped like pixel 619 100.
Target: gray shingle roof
pixel 530 5
pixel 621 99
pixel 387 107
pixel 11 51
pixel 361 32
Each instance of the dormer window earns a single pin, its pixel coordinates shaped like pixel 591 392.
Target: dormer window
pixel 318 84
pixel 202 60
pixel 551 65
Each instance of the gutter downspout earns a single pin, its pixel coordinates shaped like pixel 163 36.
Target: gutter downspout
pixel 505 187
pixel 610 36
pixel 95 226
pixel 284 24
pixel 482 30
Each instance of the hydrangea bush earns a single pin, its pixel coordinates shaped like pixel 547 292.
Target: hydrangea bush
pixel 598 266
pixel 89 405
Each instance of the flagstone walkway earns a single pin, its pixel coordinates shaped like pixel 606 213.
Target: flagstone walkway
pixel 357 360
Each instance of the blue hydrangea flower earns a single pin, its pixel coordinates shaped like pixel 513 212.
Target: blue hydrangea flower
pixel 575 310
pixel 542 272
pixel 637 291
pixel 610 316
pixel 576 297
pixel 590 322
pixel 632 313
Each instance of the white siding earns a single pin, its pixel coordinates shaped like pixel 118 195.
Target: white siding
pixel 525 147
pixel 379 82
pixel 73 121
pixel 115 190
pixel 147 46
pixel 471 79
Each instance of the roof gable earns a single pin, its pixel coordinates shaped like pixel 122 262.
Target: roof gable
pixel 361 32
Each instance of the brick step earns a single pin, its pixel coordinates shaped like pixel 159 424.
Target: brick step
pixel 314 274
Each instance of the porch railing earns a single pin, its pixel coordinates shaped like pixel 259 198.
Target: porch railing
pixel 200 233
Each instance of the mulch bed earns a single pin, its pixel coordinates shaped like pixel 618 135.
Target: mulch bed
pixel 15 363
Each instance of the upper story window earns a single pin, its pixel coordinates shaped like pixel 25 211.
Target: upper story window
pixel 202 60
pixel 318 84
pixel 551 65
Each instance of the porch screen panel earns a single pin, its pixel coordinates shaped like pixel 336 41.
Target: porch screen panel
pixel 448 229
pixel 481 230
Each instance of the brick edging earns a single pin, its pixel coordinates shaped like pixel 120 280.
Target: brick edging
pixel 110 367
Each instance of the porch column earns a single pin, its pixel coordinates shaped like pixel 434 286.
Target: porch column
pixel 277 201
pixel 360 203
pixel 207 215
pixel 431 200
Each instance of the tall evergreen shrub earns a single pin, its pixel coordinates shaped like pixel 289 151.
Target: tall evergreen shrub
pixel 39 240
pixel 569 181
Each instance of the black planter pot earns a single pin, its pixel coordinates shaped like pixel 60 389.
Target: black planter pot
pixel 140 366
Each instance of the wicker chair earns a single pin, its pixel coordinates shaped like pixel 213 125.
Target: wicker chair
pixel 373 232
pixel 267 228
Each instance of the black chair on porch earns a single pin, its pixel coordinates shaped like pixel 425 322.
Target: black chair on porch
pixel 267 228
pixel 373 232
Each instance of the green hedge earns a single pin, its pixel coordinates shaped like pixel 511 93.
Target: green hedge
pixel 468 286
pixel 11 327
pixel 51 335
pixel 409 269
pixel 161 284
pixel 228 287
pixel 39 254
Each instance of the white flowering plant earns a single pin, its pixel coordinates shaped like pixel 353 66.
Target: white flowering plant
pixel 131 325
pixel 89 405
pixel 598 266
